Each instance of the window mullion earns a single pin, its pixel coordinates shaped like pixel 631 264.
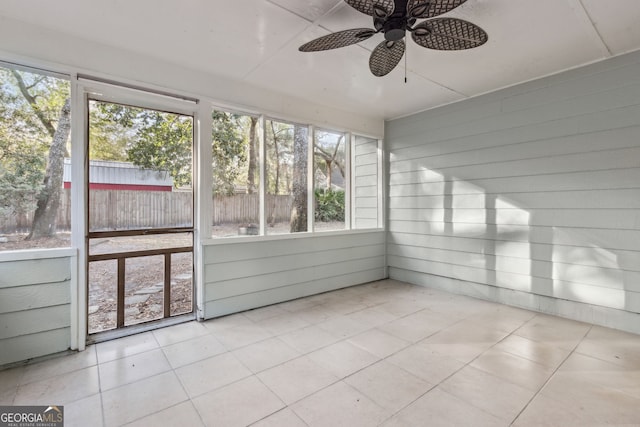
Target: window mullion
pixel 310 180
pixel 262 160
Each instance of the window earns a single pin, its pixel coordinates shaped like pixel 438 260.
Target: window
pixel 236 174
pixel 287 166
pixel 330 179
pixel 35 124
pixel 325 179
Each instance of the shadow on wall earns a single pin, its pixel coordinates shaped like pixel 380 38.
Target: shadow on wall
pixel 513 241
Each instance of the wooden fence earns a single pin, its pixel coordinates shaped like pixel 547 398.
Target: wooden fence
pixel 123 209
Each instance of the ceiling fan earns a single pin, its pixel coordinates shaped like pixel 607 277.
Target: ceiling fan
pixel 394 18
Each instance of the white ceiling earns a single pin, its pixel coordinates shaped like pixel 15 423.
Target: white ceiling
pixel 256 41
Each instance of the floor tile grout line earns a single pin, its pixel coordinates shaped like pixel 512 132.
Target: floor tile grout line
pixel 452 374
pixel 537 393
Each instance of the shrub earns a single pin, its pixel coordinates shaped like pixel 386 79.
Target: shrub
pixel 329 205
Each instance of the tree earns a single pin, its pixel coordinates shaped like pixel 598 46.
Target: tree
pixel 40 123
pixel 331 156
pixel 298 221
pixel 163 142
pixel 229 151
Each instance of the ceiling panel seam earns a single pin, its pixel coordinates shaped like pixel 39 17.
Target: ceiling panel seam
pixel 287 43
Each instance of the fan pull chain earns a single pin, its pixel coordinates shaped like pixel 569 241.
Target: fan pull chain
pixel 406 53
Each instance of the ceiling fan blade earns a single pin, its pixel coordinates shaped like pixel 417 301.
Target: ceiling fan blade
pixel 448 34
pixel 368 6
pixel 385 57
pixel 421 9
pixel 338 39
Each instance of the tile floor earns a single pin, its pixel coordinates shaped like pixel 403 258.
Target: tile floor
pixel 384 353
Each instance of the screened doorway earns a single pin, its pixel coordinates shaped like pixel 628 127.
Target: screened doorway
pixel 140 217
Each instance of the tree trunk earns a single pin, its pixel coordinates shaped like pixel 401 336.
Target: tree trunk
pixel 299 186
pixel 44 218
pixel 251 175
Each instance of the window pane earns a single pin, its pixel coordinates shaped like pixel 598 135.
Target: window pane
pixel 236 175
pixel 330 180
pixel 366 201
pixel 140 164
pixel 35 124
pixel 287 166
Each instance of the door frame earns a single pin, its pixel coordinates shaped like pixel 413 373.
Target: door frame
pixel 83 89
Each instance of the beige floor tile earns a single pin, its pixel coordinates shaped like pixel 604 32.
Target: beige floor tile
pixel 613 346
pixel 238 404
pixel 181 415
pixel 425 336
pixel 547 412
pixel 342 327
pixel 503 318
pixel 260 314
pixel 563 333
pixel 136 400
pixel 308 339
pixel 127 346
pixel 297 305
pixel 133 368
pixel 468 332
pixel 440 409
pixel 226 322
pixel 60 390
pixel 316 314
pixel 602 404
pixel 544 354
pixel 604 374
pixel 178 333
pixel 577 362
pixel 59 365
pixel 283 418
pixel 283 323
pixel 297 378
pixel 392 388
pixel 10 378
pixel 401 307
pixel 496 396
pixel 379 343
pixel 343 358
pixel 193 350
pixel 240 336
pixel 8 395
pixel 84 412
pixel 372 317
pixel 339 405
pixel 265 354
pixel 212 373
pixel 349 305
pixel 416 326
pixel 514 369
pixel 426 363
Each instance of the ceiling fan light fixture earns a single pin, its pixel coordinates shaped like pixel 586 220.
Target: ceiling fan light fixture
pixel 394 34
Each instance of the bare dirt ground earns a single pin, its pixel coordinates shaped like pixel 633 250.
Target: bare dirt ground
pixel 144 276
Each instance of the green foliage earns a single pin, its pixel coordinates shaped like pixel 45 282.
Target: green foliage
pixel 329 205
pixel 24 138
pixel 164 143
pixel 230 151
pixel 147 138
